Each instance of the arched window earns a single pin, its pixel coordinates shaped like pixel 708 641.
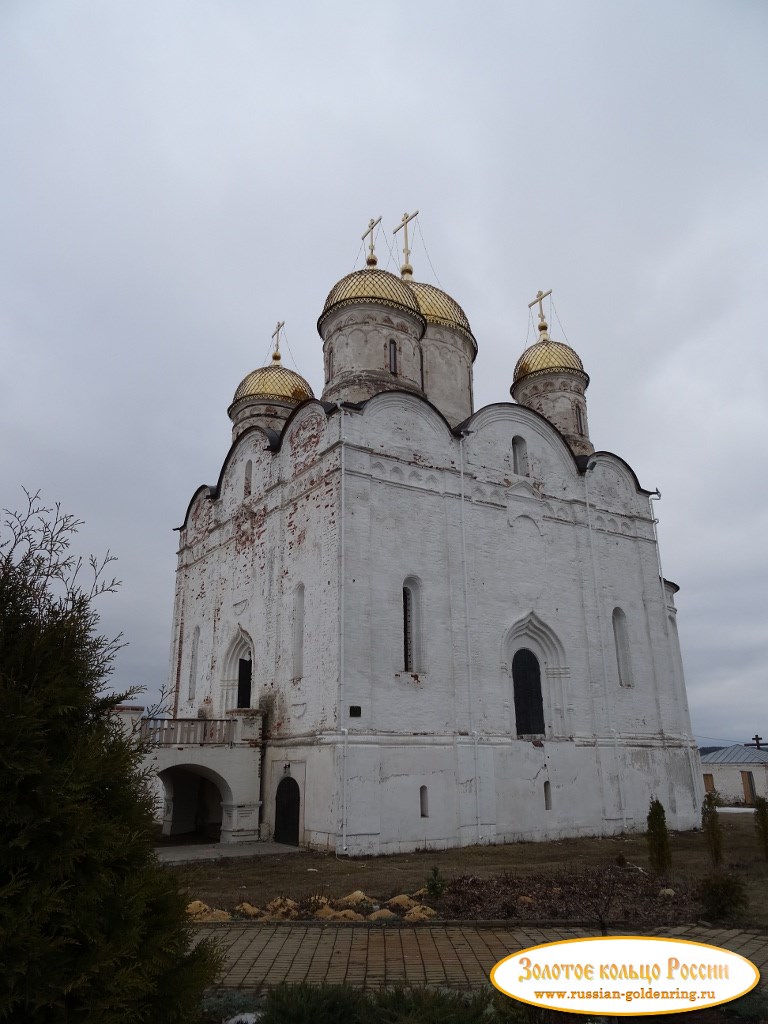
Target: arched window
pixel 247 478
pixel 408 629
pixel 526 680
pixel 579 418
pixel 193 664
pixel 411 625
pixel 424 802
pixel 421 366
pixel 244 670
pixel 330 362
pixel 519 456
pixel 621 640
pixel 298 631
pixel 392 356
pixel 547 796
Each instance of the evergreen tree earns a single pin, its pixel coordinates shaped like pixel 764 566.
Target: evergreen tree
pixel 710 826
pixel 761 823
pixel 92 929
pixel 658 838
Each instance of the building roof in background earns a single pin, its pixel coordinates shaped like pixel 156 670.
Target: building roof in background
pixel 737 754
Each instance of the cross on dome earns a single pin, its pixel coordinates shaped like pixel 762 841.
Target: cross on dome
pixel 276 339
pixel 540 296
pixel 406 270
pixel 370 259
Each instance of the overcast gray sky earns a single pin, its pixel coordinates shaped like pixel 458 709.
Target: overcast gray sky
pixel 177 175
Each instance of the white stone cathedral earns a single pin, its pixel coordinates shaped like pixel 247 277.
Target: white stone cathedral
pixel 401 622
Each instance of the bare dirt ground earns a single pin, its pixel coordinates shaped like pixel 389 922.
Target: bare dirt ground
pixel 257 880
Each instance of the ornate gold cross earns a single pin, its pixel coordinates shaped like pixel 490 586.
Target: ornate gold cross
pixel 540 296
pixel 276 336
pixel 371 257
pixel 406 270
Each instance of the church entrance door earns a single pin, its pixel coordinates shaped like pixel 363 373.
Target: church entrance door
pixel 287 802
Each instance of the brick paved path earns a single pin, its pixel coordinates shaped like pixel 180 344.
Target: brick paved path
pixel 452 955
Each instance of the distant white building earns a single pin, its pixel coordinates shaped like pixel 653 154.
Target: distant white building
pixel 738 773
pixel 451 621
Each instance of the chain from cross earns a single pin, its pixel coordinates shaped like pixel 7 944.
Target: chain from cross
pixel 540 296
pixel 276 337
pixel 372 224
pixel 407 218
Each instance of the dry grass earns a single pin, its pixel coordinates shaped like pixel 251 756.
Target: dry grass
pixel 260 879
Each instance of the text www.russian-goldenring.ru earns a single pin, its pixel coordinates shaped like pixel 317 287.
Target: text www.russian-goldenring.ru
pixel 628 997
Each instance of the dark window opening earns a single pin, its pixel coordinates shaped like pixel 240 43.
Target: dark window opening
pixel 392 356
pixel 579 420
pixel 244 683
pixel 526 680
pixel 423 801
pixel 330 363
pixel 421 366
pixel 355 711
pixel 407 629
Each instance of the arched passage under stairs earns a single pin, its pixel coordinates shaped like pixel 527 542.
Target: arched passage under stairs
pixel 194 801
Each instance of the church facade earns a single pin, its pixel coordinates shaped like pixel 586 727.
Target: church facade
pixel 433 625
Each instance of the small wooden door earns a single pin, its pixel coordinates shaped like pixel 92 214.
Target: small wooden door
pixel 748 782
pixel 287 801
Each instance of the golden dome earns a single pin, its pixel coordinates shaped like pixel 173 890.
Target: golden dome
pixel 547 356
pixel 275 383
pixel 439 308
pixel 370 286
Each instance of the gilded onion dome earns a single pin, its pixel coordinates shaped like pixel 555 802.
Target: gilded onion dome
pixel 273 383
pixel 548 356
pixel 437 307
pixel 370 286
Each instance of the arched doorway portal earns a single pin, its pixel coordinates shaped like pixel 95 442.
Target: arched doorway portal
pixel 287 802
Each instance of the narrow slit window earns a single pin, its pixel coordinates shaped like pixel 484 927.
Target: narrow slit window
pixel 244 670
pixel 298 632
pixel 424 801
pixel 330 363
pixel 621 640
pixel 408 629
pixel 519 456
pixel 547 797
pixel 247 478
pixel 193 665
pixel 421 367
pixel 392 356
pixel 579 419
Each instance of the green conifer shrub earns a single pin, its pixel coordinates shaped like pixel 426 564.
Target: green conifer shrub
pixel 722 895
pixel 92 929
pixel 712 829
pixel 659 850
pixel 761 823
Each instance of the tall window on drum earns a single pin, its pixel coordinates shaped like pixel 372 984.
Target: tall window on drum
pixel 393 356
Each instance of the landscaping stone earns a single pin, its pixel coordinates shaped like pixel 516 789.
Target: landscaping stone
pixel 383 915
pixel 402 902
